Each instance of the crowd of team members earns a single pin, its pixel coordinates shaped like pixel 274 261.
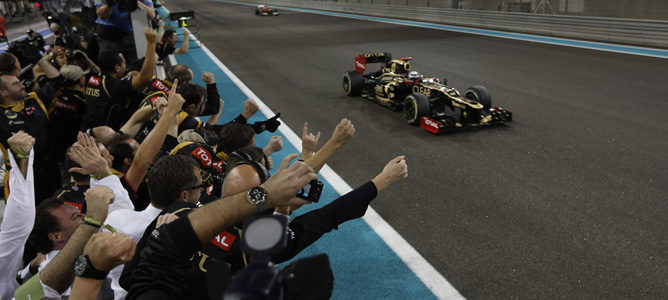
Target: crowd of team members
pixel 130 190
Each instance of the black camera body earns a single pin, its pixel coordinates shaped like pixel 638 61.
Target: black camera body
pixel 28 50
pixel 311 192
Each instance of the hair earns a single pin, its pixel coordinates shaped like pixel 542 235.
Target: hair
pixel 180 72
pixel 168 177
pixel 192 93
pixel 3 85
pixel 255 153
pixel 167 34
pixel 234 136
pixel 108 60
pixel 7 61
pixel 45 223
pixel 120 150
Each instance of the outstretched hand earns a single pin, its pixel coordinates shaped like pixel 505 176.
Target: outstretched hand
pixel 343 132
pixel 395 170
pixel 250 108
pixel 21 143
pixel 309 142
pixel 98 199
pixel 87 155
pixel 107 250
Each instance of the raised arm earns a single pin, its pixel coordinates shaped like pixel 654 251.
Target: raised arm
pixel 141 116
pixel 395 171
pixel 150 147
pixel 93 67
pixel 105 251
pixel 342 134
pixel 213 119
pixel 47 67
pixel 184 47
pixel 14 230
pixel 87 154
pixel 148 68
pixel 309 143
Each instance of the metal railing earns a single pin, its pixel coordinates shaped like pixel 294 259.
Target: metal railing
pixel 652 33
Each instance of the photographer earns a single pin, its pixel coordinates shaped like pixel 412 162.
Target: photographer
pixel 114 26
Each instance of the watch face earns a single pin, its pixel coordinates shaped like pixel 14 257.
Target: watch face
pixel 80 265
pixel 257 194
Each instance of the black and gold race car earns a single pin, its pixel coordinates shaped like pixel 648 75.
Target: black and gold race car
pixel 425 101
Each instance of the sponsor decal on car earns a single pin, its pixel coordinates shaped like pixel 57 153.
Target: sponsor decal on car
pixel 429 124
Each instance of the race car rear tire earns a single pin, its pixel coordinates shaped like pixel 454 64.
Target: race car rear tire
pixel 352 83
pixel 479 93
pixel 416 105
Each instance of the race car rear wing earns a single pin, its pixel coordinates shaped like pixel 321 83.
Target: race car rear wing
pixel 365 58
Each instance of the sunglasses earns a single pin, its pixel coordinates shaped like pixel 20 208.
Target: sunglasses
pixel 202 187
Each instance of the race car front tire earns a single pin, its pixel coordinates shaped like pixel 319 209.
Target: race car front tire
pixel 352 83
pixel 416 105
pixel 479 93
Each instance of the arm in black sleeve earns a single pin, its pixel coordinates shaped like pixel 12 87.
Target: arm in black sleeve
pixel 212 100
pixel 309 227
pixel 49 88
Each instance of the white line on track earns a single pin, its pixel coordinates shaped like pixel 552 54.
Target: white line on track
pixel 422 269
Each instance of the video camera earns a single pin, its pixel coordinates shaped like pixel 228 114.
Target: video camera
pixel 28 50
pixel 306 278
pixel 124 5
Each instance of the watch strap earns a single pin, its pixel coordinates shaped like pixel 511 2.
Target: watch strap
pixel 97 223
pixel 89 271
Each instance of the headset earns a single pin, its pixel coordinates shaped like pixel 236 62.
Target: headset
pixel 247 160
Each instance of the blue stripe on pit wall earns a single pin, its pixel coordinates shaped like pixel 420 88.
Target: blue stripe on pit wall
pixel 364 266
pixel 516 36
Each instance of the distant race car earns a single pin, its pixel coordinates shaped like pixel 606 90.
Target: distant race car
pixel 263 10
pixel 427 102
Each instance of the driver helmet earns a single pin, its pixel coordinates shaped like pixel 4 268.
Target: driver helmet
pixel 413 75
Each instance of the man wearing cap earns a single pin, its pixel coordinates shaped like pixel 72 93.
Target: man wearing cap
pixel 66 109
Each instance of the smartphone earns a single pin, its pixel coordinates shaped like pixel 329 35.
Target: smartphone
pixel 311 191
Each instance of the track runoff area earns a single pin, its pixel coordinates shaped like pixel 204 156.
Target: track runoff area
pixel 369 259
pixel 381 263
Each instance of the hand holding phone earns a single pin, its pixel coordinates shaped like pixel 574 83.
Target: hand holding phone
pixel 311 191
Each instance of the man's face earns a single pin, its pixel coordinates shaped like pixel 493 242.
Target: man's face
pixel 191 76
pixel 69 219
pixel 195 194
pixel 17 66
pixel 15 91
pixel 105 154
pixel 122 65
pixel 173 39
pixel 61 59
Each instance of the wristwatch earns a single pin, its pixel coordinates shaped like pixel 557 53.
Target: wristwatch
pixel 258 195
pixel 83 268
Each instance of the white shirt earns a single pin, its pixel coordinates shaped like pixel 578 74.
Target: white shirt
pixel 16 224
pixel 133 224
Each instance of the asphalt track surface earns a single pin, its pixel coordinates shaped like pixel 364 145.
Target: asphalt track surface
pixel 569 201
